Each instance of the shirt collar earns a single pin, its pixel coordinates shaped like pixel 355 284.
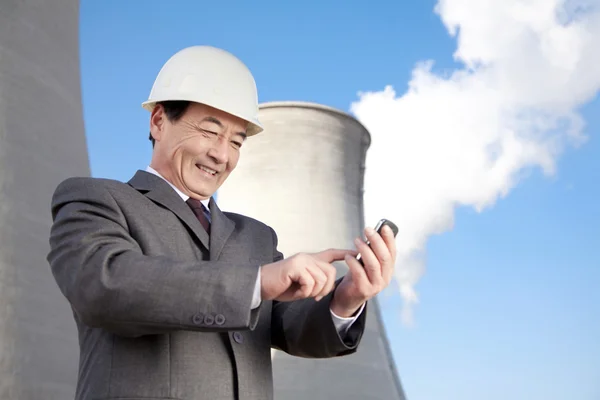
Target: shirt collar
pixel 184 196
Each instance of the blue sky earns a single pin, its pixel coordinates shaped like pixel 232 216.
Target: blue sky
pixel 509 306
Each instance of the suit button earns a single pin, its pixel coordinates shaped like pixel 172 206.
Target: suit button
pixel 198 319
pixel 220 319
pixel 209 319
pixel 238 337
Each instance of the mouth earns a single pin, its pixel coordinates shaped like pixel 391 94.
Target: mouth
pixel 208 171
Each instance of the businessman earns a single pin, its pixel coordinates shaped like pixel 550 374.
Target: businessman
pixel 174 298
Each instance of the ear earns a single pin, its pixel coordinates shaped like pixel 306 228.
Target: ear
pixel 157 122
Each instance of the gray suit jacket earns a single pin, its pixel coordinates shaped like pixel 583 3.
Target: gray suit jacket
pixel 162 310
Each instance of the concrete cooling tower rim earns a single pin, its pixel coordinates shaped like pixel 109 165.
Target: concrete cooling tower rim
pixel 319 107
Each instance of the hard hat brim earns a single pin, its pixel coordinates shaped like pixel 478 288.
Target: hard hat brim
pixel 254 126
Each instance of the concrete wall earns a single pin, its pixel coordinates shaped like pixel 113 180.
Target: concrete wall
pixel 304 176
pixel 41 142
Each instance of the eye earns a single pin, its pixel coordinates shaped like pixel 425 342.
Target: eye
pixel 237 144
pixel 209 132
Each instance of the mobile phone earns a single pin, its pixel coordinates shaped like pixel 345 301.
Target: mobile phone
pixel 378 228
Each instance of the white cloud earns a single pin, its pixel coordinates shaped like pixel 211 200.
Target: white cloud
pixel 465 139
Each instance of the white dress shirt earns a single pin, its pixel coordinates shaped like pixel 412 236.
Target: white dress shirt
pixel 341 324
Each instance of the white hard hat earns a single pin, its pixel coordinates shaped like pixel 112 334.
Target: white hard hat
pixel 211 76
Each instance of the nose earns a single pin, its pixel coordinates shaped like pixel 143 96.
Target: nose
pixel 219 151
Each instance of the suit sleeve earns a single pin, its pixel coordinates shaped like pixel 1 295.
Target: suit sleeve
pixel 305 328
pixel 111 284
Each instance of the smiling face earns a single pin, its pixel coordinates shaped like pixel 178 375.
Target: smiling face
pixel 198 151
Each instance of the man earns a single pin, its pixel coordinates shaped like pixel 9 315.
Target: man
pixel 175 299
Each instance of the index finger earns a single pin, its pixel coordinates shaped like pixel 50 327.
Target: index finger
pixel 331 255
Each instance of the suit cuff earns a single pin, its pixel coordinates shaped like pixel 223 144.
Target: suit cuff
pixel 256 300
pixel 343 324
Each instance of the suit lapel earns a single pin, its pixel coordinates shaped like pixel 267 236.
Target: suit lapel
pixel 159 191
pixel 221 228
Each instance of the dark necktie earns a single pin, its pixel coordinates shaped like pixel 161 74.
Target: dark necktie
pixel 200 212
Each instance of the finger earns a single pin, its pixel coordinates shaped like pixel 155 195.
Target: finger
pixel 320 279
pixel 388 237
pixel 306 281
pixel 379 246
pixel 387 271
pixel 371 264
pixel 331 255
pixel 330 271
pixel 359 275
pixel 387 266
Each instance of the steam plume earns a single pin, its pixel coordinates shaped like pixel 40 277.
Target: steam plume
pixel 466 138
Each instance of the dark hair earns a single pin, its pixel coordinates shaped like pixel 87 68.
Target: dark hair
pixel 174 110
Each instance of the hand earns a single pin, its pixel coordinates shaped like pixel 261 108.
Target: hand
pixel 363 283
pixel 301 276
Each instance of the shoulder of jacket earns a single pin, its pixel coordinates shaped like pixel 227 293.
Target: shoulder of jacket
pixel 88 190
pixel 75 188
pixel 87 182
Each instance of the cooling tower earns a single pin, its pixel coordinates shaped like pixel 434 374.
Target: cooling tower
pixel 41 143
pixel 304 177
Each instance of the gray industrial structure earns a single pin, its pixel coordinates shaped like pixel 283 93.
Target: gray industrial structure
pixel 42 142
pixel 304 177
